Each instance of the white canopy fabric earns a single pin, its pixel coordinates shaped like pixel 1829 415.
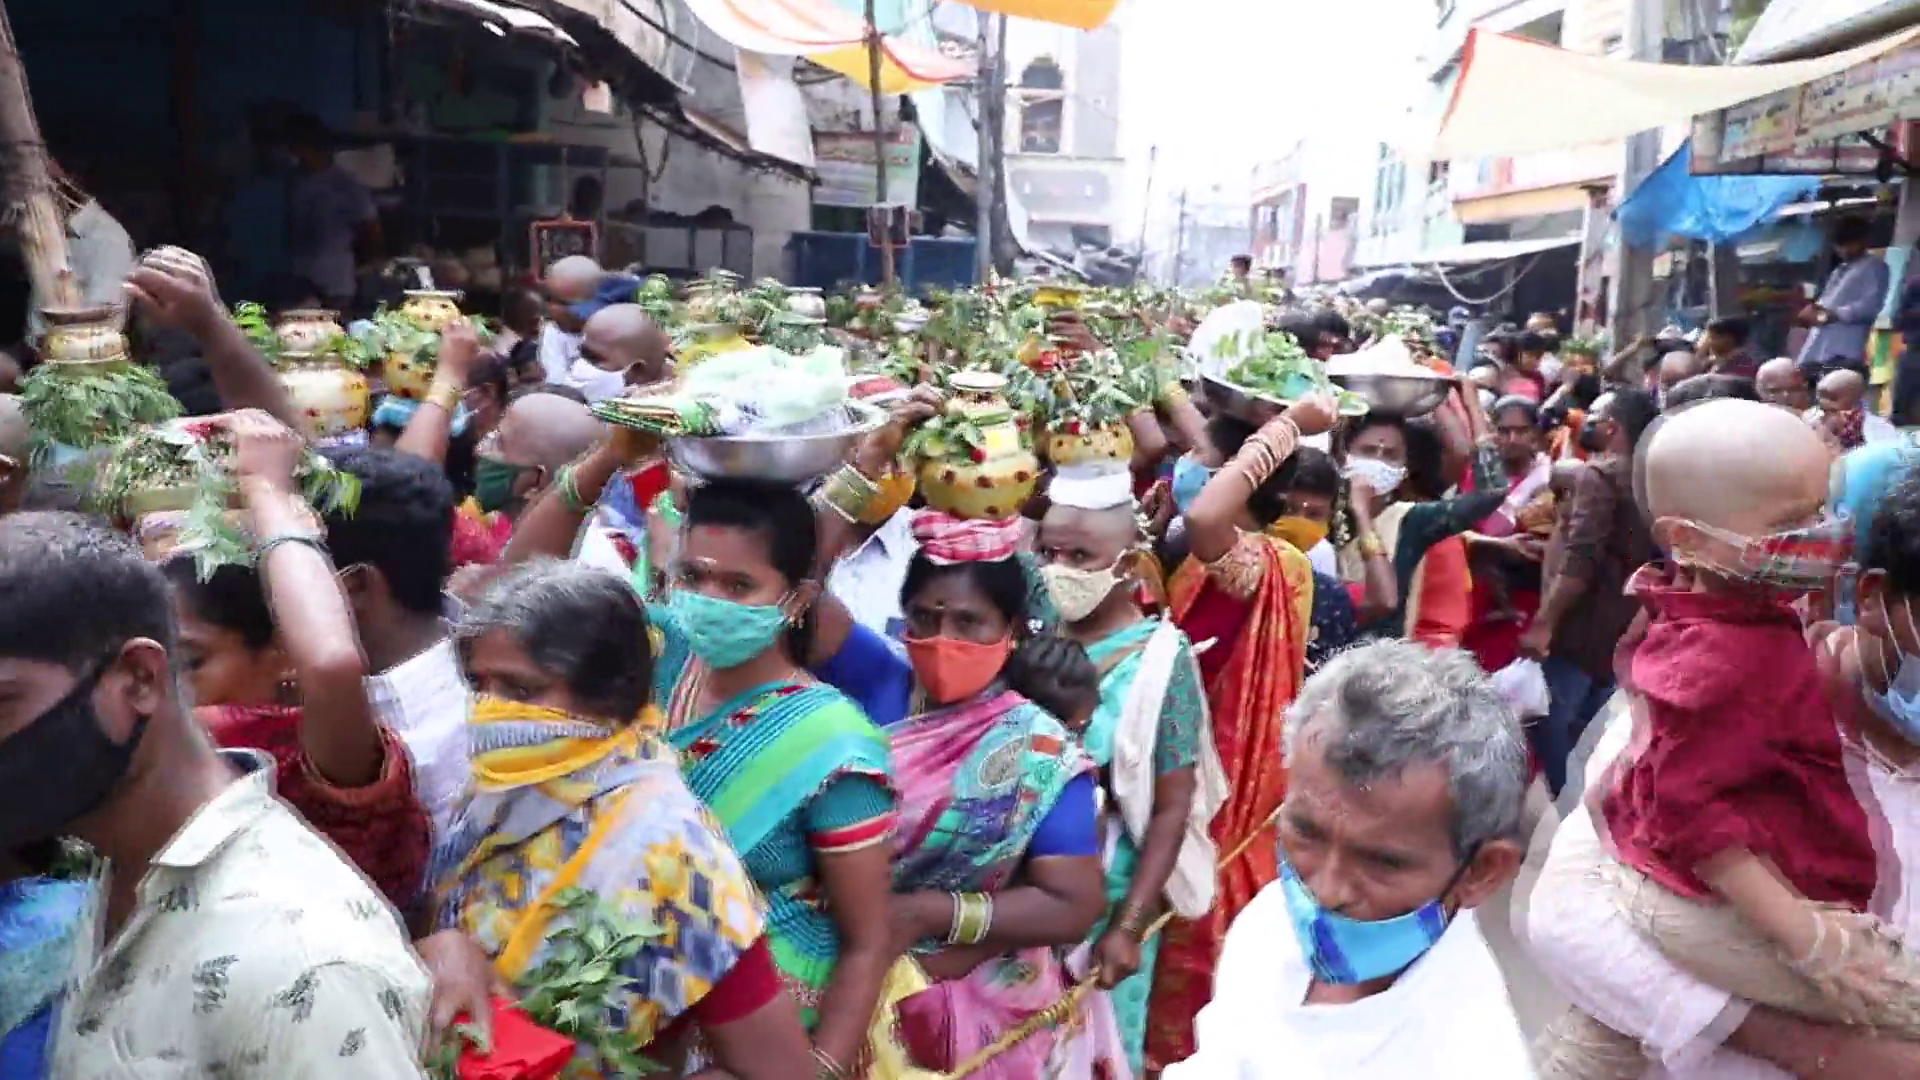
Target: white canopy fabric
pixel 1516 96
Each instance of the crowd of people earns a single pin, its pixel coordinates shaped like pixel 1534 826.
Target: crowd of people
pixel 1210 766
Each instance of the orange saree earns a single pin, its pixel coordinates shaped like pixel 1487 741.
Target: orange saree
pixel 1255 606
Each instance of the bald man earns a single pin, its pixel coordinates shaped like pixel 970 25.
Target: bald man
pixel 568 282
pixel 1782 383
pixel 1736 466
pixel 621 340
pixel 1843 415
pixel 1677 367
pixel 538 434
pixel 16 443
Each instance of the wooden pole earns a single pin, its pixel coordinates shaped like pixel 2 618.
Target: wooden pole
pixel 879 144
pixel 43 233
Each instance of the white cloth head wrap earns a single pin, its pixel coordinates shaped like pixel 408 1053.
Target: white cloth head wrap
pixel 1092 487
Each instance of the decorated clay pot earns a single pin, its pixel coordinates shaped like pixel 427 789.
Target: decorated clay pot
pixel 307 331
pixel 84 336
pixel 807 302
pixel 431 308
pixel 994 480
pixel 707 298
pixel 408 374
pixel 706 341
pixel 1072 443
pixel 869 298
pixel 331 395
pixel 159 499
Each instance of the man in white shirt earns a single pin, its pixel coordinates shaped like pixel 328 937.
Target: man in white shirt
pixel 867 579
pixel 568 283
pixel 1407 777
pixel 332 221
pixel 392 553
pixel 225 938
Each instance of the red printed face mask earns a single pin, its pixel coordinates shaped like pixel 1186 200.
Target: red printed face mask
pixel 1798 560
pixel 951 670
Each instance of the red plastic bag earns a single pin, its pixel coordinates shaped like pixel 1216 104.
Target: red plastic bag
pixel 522 1049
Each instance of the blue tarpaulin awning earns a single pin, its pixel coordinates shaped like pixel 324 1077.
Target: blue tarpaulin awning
pixel 1674 202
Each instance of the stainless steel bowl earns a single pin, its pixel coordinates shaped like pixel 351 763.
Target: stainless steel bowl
pixel 1239 403
pixel 1253 408
pixel 791 459
pixel 1401 395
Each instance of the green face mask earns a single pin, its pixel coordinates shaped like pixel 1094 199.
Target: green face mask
pixel 493 482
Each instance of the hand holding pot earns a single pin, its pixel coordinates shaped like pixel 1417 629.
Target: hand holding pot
pixel 459 353
pixel 1314 414
pixel 266 451
pixel 175 287
pixel 879 450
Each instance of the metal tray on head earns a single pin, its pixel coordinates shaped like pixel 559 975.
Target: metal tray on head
pixel 792 459
pixel 1401 395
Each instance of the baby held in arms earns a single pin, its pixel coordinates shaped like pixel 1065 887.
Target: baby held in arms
pixel 1740 848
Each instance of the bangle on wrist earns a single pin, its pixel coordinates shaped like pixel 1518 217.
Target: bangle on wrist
pixel 1370 545
pixel 1132 921
pixel 849 493
pixel 569 492
pixel 444 394
pixel 826 1068
pixel 267 546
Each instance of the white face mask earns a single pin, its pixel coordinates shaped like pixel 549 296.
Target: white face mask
pixel 1075 593
pixel 1384 477
pixel 1900 705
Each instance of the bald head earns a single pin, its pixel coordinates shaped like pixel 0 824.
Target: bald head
pixel 16 442
pixel 621 338
pixel 1841 390
pixel 1736 465
pixel 1781 383
pixel 546 431
pixel 572 278
pixel 1679 366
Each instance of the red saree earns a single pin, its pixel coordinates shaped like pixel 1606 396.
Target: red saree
pixel 1253 669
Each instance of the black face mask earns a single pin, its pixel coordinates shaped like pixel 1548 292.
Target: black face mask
pixel 60 767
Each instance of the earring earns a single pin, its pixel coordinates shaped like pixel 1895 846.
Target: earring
pixel 288 691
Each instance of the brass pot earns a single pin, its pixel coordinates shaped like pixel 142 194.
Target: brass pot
pixel 807 303
pixel 87 337
pixel 307 331
pixel 324 389
pixel 993 481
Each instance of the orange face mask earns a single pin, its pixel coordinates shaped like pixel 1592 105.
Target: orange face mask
pixel 951 670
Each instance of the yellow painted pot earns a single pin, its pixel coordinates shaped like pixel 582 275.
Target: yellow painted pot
pixel 1068 446
pixel 307 331
pixel 997 478
pixel 431 308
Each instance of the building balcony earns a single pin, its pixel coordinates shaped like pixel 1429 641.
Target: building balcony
pixel 1502 189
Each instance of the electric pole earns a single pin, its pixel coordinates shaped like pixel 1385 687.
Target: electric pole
pixel 879 146
pixel 986 173
pixel 1180 241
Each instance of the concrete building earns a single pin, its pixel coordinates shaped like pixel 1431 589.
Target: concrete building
pixel 1306 208
pixel 1417 207
pixel 1063 150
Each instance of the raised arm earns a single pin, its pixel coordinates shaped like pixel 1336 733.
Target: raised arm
pixel 175 288
pixel 431 426
pixel 338 732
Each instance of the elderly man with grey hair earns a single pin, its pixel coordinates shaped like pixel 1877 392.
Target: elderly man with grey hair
pixel 1407 775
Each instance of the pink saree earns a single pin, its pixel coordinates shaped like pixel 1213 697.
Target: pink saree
pixel 975 782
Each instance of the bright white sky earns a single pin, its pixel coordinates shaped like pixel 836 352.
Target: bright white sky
pixel 1220 85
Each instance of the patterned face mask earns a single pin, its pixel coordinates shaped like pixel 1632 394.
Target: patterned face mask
pixel 1798 560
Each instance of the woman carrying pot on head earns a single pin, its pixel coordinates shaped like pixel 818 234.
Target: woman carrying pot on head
pixel 1149 732
pixel 276 665
pixel 1247 587
pixel 791 766
pixel 574 787
pixel 1407 570
pixel 998 851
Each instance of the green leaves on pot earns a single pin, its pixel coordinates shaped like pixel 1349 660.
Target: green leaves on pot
pixel 84 407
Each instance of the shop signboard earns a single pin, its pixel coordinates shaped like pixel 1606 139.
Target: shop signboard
pixel 1763 126
pixel 843 160
pixel 1862 98
pixel 559 238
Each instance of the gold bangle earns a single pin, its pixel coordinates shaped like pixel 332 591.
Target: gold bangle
pixel 444 394
pixel 826 1067
pixel 978 918
pixel 849 493
pixel 1133 920
pixel 1370 545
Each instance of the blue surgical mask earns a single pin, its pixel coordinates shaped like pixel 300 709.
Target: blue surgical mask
pixel 1189 476
pixel 1900 704
pixel 1344 951
pixel 723 633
